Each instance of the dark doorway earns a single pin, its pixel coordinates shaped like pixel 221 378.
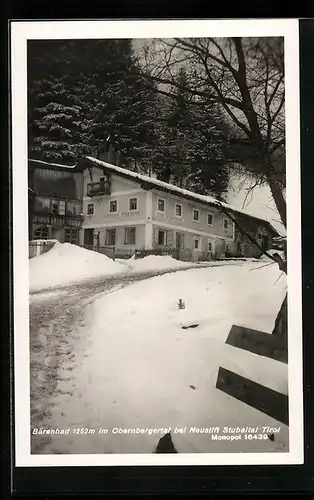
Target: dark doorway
pixel 265 243
pixel 89 237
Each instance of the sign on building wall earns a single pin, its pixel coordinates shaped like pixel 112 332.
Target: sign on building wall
pixel 129 213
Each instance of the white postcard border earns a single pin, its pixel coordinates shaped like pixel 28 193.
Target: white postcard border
pixel 20 33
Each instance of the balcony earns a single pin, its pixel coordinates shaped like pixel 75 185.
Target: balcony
pixel 98 188
pixel 57 220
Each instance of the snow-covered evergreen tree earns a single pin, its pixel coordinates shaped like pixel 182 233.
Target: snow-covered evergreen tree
pixel 190 149
pixel 82 92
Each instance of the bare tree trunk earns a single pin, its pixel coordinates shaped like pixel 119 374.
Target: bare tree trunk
pixel 279 199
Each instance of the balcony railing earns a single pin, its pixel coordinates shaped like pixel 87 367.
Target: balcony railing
pixel 98 188
pixel 59 220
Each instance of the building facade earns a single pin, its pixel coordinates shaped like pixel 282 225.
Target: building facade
pixel 105 207
pixel 55 201
pixel 131 212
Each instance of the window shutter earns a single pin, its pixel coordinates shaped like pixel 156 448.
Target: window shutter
pixel 126 236
pixel 169 238
pixel 155 236
pixel 61 207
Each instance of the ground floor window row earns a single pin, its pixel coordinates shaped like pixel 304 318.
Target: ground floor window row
pixel 162 237
pixel 129 236
pixel 66 235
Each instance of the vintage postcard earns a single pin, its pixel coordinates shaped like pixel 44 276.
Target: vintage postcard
pixel 156 226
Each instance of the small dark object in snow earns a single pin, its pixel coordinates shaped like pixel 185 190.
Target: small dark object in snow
pixel 165 445
pixel 192 386
pixel 190 326
pixel 181 304
pixel 271 437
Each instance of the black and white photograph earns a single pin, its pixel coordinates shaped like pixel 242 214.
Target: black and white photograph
pixel 156 226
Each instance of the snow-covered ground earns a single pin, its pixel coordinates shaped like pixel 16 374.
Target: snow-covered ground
pixel 64 264
pixel 137 367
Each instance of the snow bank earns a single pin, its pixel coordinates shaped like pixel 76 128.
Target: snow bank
pixel 156 262
pixel 139 367
pixel 44 241
pixel 66 263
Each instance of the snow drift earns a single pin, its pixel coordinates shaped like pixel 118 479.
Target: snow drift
pixel 155 263
pixel 66 263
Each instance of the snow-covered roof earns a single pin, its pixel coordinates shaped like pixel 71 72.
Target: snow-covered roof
pixel 209 200
pixel 52 165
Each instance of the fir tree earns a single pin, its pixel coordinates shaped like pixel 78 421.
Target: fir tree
pixel 190 149
pixel 81 93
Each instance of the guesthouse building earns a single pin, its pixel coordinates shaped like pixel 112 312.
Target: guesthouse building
pixel 130 212
pixel 120 212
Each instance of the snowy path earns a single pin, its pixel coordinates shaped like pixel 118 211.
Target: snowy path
pixel 154 373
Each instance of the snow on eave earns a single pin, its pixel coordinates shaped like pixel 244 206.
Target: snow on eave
pixel 208 200
pixel 52 165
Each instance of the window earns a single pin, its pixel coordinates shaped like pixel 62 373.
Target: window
pixel 226 224
pixel 113 206
pixel 71 236
pixel 163 237
pixel 42 205
pixel 110 236
pixel 259 236
pixel 196 215
pixel 210 246
pixel 210 219
pixel 133 204
pixel 71 207
pixel 90 208
pixel 41 233
pixel 55 207
pixel 197 243
pixel 179 240
pixel 58 207
pixel 161 205
pixel 130 235
pixel 178 210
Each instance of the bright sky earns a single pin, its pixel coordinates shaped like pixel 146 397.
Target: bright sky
pixel 259 202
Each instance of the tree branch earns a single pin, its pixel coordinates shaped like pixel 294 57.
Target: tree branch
pixel 276 257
